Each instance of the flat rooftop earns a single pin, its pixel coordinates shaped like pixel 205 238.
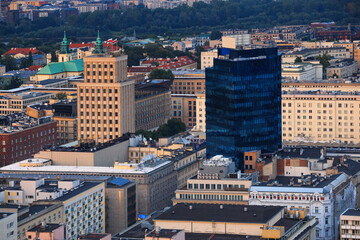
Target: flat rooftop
pixel 321 93
pixel 220 213
pixel 49 227
pixel 351 212
pixel 80 170
pixel 5 214
pixel 19 121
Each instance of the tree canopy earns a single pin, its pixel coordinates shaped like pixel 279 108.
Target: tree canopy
pixel 182 20
pixel 172 127
pixel 161 74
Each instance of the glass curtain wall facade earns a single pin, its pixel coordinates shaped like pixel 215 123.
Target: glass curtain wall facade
pixel 243 103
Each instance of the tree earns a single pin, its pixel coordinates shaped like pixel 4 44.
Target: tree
pixel 9 63
pixel 30 60
pixel 61 95
pixel 161 74
pixel 15 82
pixel 215 35
pixel 172 127
pixel 324 60
pixel 54 58
pixel 298 60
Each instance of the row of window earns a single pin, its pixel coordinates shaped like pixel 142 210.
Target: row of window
pixel 215 186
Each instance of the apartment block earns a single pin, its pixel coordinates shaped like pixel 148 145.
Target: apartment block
pixel 22 136
pixel 8 225
pixel 320 116
pixel 350 224
pixel 106 99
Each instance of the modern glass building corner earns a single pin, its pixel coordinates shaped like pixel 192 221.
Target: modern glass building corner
pixel 243 103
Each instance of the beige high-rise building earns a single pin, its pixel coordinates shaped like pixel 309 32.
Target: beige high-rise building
pixel 106 99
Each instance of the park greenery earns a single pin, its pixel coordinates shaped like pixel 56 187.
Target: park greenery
pixel 172 127
pixel 184 20
pixel 161 74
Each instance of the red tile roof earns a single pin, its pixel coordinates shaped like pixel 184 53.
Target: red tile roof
pixel 170 63
pixel 81 45
pixel 33 68
pixel 140 69
pixel 25 51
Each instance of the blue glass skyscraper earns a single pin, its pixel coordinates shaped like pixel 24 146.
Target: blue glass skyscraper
pixel 243 103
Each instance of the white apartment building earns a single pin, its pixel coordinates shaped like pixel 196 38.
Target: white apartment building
pixel 321 116
pixel 324 197
pixel 8 226
pixel 302 71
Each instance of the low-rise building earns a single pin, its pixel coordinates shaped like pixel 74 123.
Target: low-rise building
pixel 335 52
pixel 203 221
pixel 14 103
pixel 22 136
pixel 350 224
pixel 156 179
pixel 325 198
pixel 183 62
pixel 342 69
pixel 83 154
pixel 302 71
pixel 46 231
pixel 216 183
pixel 61 70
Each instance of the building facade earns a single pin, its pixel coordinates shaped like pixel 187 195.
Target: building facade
pixel 65 115
pixel 184 108
pixel 320 116
pixel 24 137
pixel 350 224
pixel 106 99
pixel 207 58
pixel 243 108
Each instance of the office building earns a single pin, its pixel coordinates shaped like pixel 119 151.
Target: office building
pixel 184 108
pixel 328 116
pixel 22 136
pixel 152 105
pixel 216 183
pixel 8 225
pixel 84 154
pixel 188 82
pixel 106 98
pixel 17 102
pixel 325 198
pixel 243 108
pixel 156 179
pixel 350 224
pixel 65 115
pixel 48 231
pixel 121 205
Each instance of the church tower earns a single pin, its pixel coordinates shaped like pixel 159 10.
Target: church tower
pixel 65 54
pixel 98 45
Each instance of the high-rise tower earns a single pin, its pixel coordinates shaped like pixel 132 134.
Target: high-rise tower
pixel 243 103
pixel 106 98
